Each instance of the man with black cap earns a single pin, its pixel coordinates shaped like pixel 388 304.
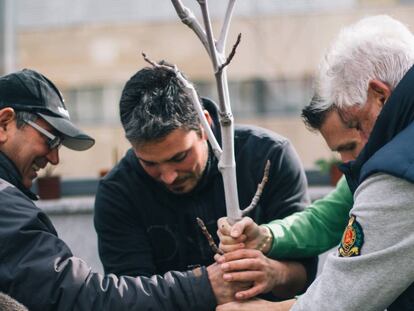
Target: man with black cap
pixel 36 267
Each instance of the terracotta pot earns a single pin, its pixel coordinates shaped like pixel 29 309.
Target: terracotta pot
pixel 103 172
pixel 48 187
pixel 335 174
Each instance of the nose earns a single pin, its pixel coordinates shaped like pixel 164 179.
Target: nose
pixel 168 175
pixel 53 156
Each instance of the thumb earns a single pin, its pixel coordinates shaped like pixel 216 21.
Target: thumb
pixel 239 227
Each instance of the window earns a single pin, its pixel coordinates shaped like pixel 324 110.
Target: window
pixel 258 97
pixel 93 105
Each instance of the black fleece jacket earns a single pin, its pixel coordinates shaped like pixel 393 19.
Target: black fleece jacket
pixel 144 229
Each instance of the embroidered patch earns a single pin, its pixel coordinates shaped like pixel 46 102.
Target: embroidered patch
pixel 352 239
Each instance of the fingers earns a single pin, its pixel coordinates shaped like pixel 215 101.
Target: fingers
pixel 242 254
pixel 258 278
pixel 231 306
pixel 238 228
pixel 243 234
pixel 228 240
pixel 256 304
pixel 231 248
pixel 249 264
pixel 223 226
pixel 228 243
pixel 243 276
pixel 250 293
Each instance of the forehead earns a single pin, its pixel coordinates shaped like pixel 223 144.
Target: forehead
pixel 336 132
pixel 160 150
pixel 350 114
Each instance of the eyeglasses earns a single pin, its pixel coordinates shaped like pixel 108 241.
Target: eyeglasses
pixel 53 142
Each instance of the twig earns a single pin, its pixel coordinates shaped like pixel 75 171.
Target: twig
pixel 189 88
pixel 209 33
pixel 231 55
pixel 209 238
pixel 259 190
pixel 188 18
pixel 227 161
pixel 151 62
pixel 221 43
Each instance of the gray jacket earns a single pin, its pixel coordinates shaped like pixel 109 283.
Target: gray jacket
pixel 384 209
pixel 39 270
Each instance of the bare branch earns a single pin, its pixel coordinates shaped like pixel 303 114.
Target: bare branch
pixel 221 43
pixel 209 238
pixel 188 18
pixel 189 88
pixel 226 157
pixel 259 190
pixel 209 33
pixel 232 53
pixel 154 64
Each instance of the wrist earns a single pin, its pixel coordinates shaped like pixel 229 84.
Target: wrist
pixel 266 240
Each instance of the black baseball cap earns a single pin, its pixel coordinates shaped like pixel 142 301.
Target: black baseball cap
pixel 28 90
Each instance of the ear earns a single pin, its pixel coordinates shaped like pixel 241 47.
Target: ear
pixel 209 121
pixel 379 90
pixel 7 115
pixel 208 117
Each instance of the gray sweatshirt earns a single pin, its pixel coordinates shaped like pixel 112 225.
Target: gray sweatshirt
pixel 384 208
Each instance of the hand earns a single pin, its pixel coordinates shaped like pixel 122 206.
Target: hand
pixel 284 279
pixel 256 305
pixel 224 291
pixel 243 234
pixel 251 266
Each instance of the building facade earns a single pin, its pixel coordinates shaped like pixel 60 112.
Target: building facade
pixel 91 47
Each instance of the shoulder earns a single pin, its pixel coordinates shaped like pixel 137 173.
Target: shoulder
pixel 18 213
pixel 255 135
pixel 383 193
pixel 126 171
pixel 12 198
pixel 381 187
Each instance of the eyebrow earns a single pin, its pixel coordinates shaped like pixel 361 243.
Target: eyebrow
pixel 346 146
pixel 167 160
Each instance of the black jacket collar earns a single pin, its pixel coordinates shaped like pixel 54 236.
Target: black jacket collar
pixel 10 173
pixel 397 114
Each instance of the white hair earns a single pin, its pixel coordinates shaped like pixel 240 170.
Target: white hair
pixel 377 47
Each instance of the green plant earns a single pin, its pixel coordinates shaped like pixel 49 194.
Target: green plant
pixel 325 165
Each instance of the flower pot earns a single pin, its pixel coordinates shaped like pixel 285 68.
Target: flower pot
pixel 335 174
pixel 103 172
pixel 48 187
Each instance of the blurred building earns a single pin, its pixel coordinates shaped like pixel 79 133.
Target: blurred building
pixel 91 47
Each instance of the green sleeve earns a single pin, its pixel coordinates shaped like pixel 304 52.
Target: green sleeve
pixel 314 230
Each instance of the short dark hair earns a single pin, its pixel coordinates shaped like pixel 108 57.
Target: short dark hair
pixel 313 115
pixel 23 116
pixel 153 104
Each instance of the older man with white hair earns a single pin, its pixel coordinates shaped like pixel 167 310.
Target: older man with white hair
pixel 368 76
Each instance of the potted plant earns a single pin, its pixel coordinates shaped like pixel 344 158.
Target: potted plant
pixel 48 185
pixel 330 166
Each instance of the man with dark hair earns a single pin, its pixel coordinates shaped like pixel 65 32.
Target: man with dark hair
pixel 36 267
pixel 146 207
